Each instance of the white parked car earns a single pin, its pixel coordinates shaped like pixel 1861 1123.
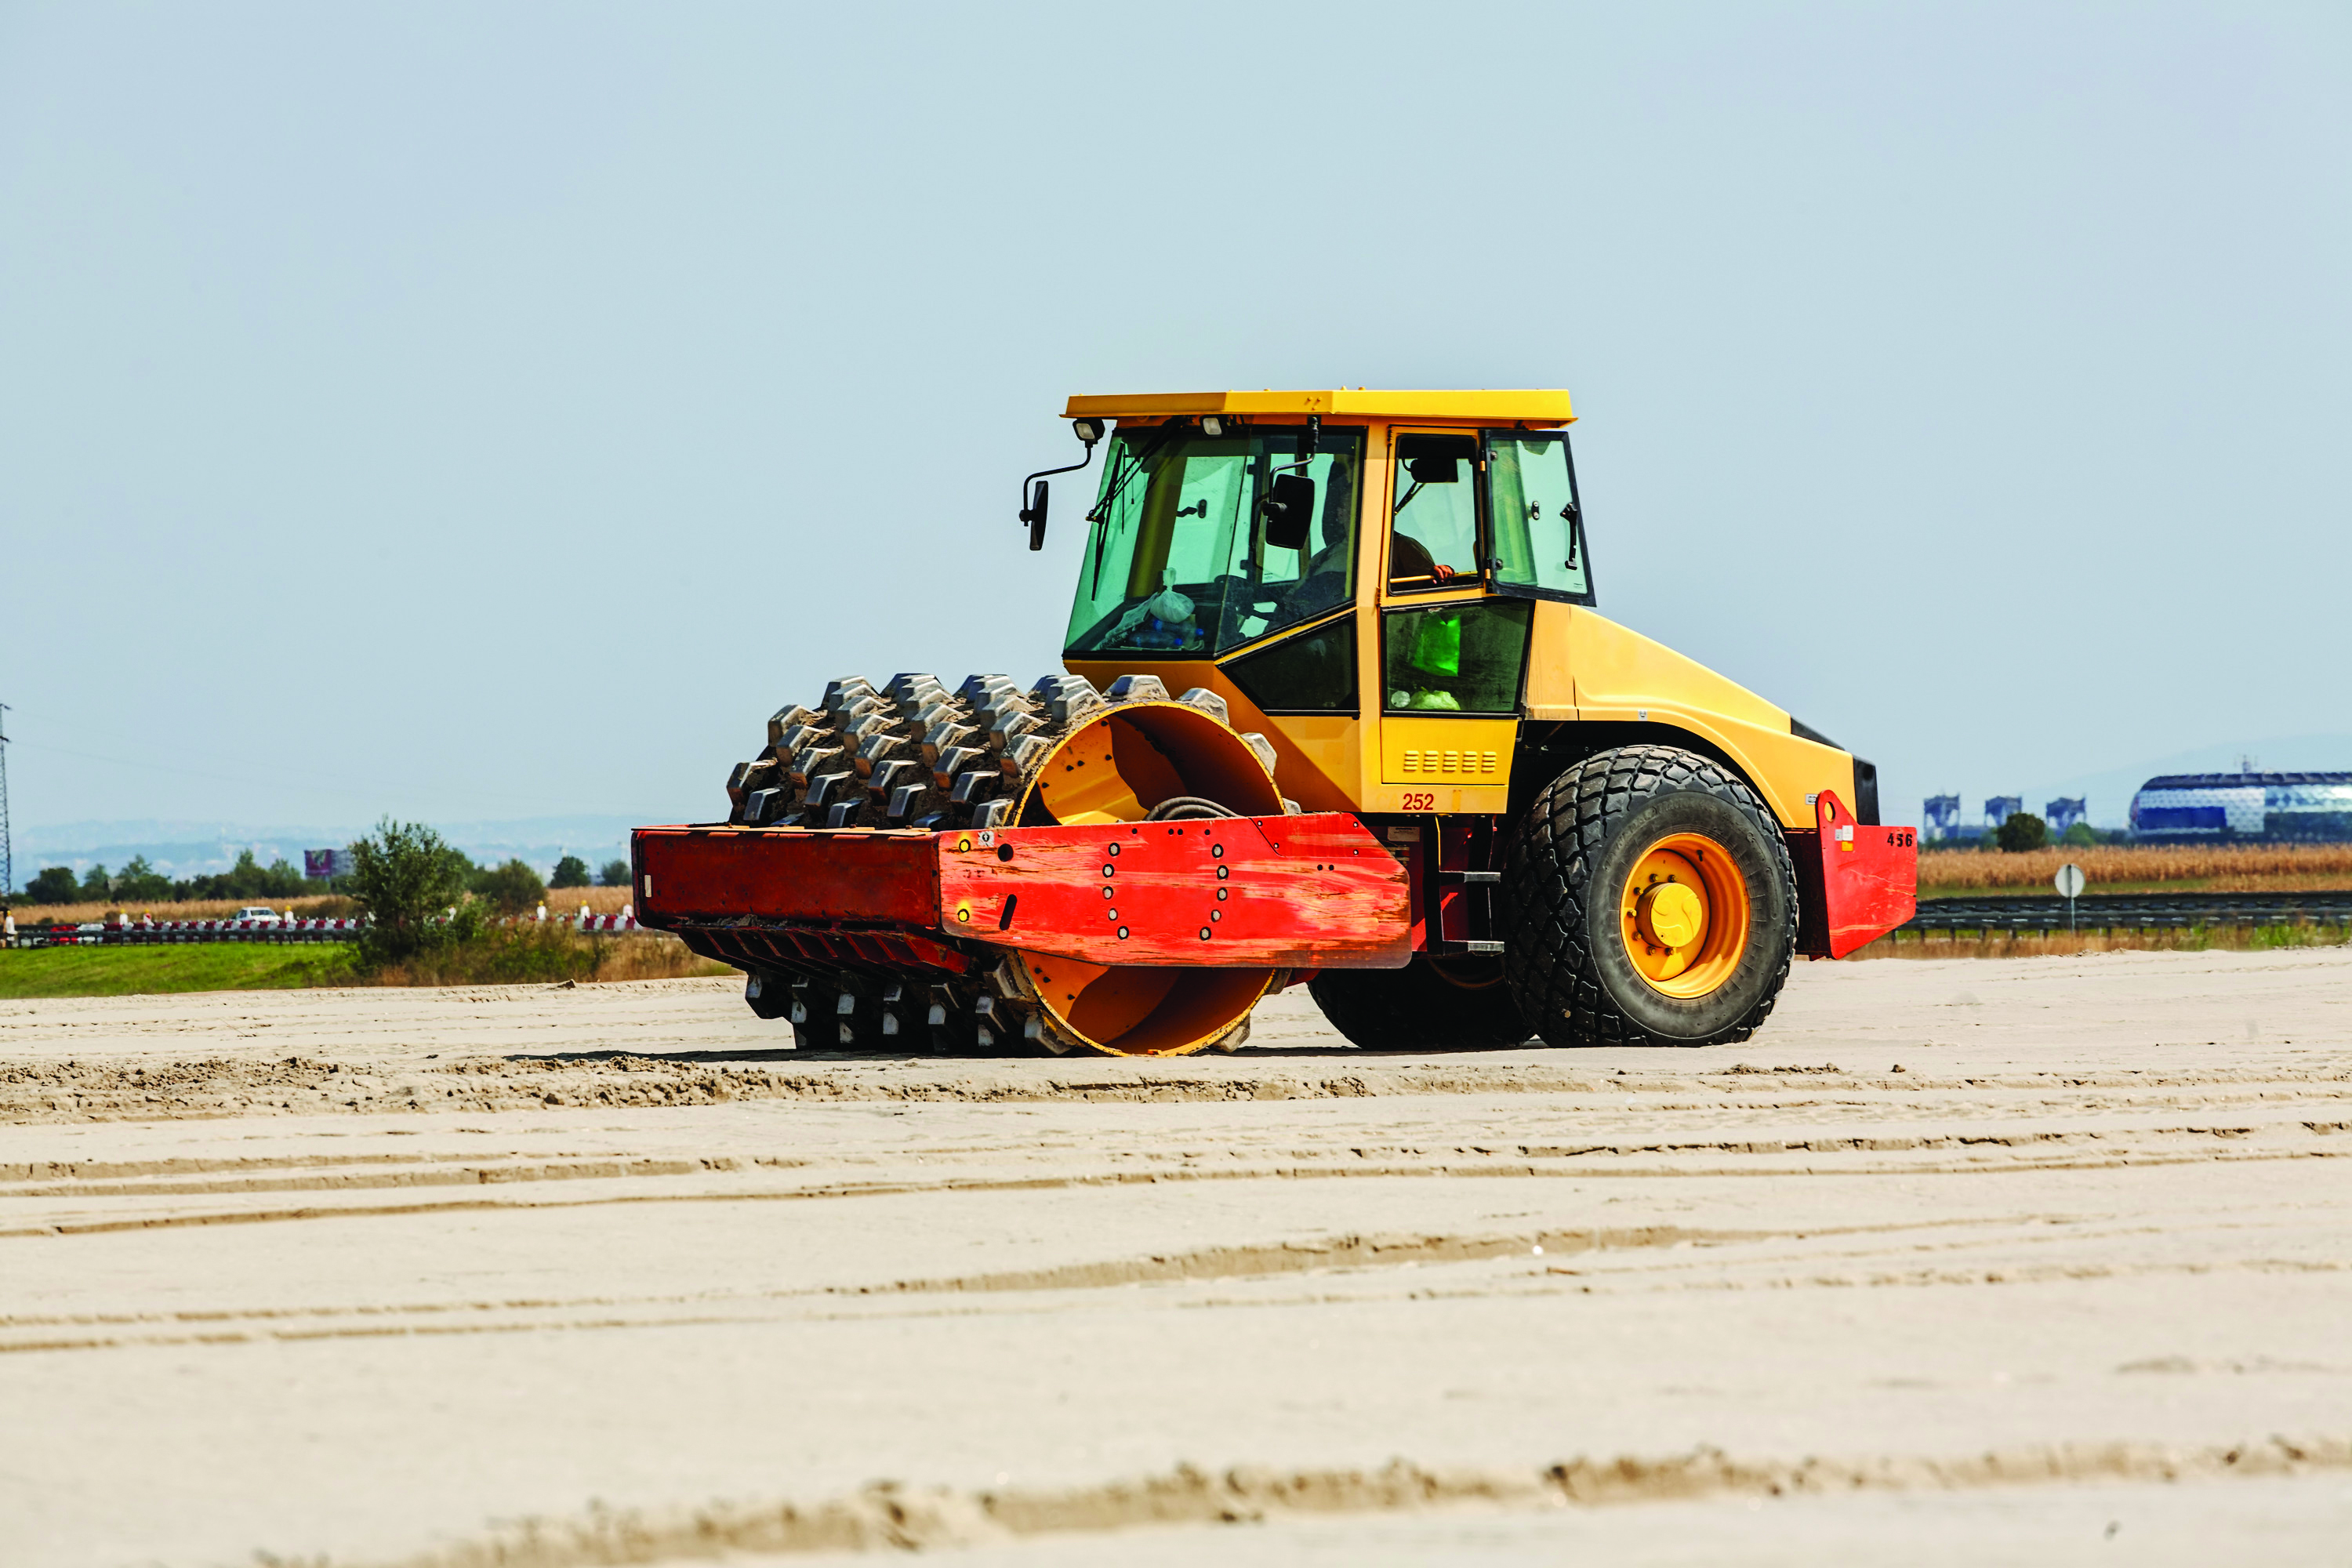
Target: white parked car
pixel 256 912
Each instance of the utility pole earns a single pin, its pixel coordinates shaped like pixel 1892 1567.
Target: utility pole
pixel 7 855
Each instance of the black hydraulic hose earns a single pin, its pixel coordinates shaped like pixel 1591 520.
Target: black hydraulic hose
pixel 1187 808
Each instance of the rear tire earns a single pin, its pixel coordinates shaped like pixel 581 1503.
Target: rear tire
pixel 1464 1005
pixel 1574 950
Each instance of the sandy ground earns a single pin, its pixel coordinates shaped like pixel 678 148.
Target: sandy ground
pixel 2037 1260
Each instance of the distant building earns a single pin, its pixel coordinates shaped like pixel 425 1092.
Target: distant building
pixel 2186 807
pixel 318 865
pixel 1943 815
pixel 2063 814
pixel 2000 808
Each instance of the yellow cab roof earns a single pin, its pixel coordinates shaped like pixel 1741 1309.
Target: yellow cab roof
pixel 1482 407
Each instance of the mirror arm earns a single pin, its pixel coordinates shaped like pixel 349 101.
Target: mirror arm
pixel 1032 502
pixel 1307 444
pixel 1044 473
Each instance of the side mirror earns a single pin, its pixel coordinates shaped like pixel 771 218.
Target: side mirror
pixel 1446 469
pixel 1032 502
pixel 1287 509
pixel 1034 514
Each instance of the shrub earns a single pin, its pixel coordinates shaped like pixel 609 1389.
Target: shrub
pixel 2081 834
pixel 408 880
pixel 2022 832
pixel 570 872
pixel 528 951
pixel 616 874
pixel 55 885
pixel 511 890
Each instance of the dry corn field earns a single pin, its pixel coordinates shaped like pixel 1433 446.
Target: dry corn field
pixel 2246 868
pixel 560 901
pixel 193 910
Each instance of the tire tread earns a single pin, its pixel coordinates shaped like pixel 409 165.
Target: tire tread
pixel 1546 895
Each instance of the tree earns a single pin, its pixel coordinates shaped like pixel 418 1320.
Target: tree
pixel 142 883
pixel 616 874
pixel 246 880
pixel 96 885
pixel 2081 835
pixel 2021 832
pixel 510 888
pixel 55 885
pixel 570 872
pixel 407 877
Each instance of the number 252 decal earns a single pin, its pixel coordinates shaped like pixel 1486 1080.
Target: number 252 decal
pixel 1425 800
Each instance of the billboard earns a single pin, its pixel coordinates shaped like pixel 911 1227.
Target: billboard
pixel 318 865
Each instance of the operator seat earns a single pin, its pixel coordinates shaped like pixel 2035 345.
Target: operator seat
pixel 1410 561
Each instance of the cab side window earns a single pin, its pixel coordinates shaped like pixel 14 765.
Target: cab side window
pixel 1434 519
pixel 1538 536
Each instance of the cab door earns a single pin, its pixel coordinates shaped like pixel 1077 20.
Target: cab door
pixel 1450 652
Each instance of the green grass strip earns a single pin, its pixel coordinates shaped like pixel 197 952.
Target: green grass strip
pixel 155 971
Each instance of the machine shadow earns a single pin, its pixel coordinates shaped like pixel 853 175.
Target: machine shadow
pixel 789 1054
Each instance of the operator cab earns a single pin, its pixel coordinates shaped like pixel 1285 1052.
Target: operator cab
pixel 1242 540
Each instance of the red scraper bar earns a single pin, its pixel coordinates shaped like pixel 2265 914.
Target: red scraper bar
pixel 1315 892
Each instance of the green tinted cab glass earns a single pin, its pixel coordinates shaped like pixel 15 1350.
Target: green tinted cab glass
pixel 1178 563
pixel 1532 502
pixel 1459 658
pixel 1311 672
pixel 1433 522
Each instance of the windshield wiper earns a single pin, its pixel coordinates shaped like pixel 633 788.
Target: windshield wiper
pixel 1121 478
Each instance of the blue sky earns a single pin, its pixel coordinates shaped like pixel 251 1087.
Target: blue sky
pixel 495 411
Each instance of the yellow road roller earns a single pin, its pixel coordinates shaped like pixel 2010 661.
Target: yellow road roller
pixel 1337 708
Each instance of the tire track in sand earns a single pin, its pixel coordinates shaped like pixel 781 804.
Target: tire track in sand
pixel 890 1516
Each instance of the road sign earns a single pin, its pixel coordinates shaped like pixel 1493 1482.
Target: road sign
pixel 2070 881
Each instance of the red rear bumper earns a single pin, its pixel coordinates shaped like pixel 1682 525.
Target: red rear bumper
pixel 1855 883
pixel 1273 892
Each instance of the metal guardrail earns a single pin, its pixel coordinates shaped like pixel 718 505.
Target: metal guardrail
pixel 142 933
pixel 158 934
pixel 2133 912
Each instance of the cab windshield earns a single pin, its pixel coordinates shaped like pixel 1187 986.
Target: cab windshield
pixel 1185 561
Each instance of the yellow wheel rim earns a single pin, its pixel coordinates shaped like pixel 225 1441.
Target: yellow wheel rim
pixel 1683 915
